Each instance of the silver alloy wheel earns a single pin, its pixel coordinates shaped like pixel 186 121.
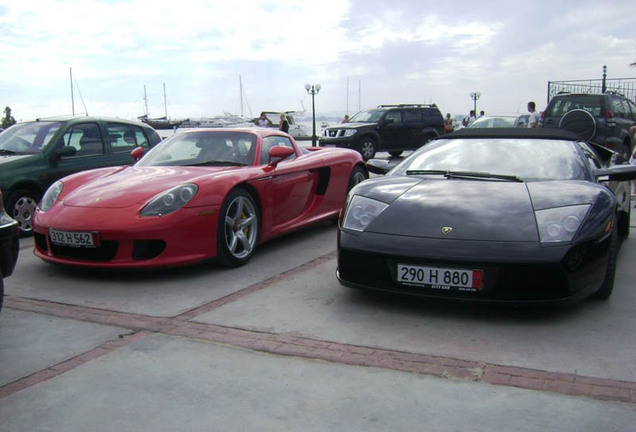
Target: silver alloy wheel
pixel 23 212
pixel 367 148
pixel 241 227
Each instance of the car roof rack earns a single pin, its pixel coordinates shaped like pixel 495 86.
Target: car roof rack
pixel 408 106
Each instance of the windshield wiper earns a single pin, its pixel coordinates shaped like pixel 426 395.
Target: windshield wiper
pixel 480 175
pixel 426 172
pixel 218 163
pixel 7 152
pixel 466 175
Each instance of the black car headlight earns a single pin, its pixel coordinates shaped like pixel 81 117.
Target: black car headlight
pixel 557 225
pixel 361 211
pixel 50 196
pixel 170 200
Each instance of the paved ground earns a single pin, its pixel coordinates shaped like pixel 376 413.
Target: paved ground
pixel 279 345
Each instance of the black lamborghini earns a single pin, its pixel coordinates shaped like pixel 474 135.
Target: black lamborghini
pixel 490 215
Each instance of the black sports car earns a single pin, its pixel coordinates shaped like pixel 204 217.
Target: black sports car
pixel 490 215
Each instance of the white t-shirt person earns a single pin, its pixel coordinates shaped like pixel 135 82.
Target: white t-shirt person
pixel 533 120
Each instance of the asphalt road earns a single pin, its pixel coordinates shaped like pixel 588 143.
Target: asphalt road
pixel 279 345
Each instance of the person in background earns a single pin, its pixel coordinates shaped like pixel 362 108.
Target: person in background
pixel 448 124
pixel 533 120
pixel 263 121
pixel 283 124
pixel 346 118
pixel 481 113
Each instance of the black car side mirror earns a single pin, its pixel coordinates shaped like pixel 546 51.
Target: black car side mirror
pixel 65 151
pixel 380 166
pixel 616 173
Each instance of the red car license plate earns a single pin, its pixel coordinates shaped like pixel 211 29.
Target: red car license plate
pixel 440 278
pixel 74 238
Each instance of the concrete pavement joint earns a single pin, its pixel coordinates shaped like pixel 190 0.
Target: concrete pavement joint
pixel 298 346
pixel 304 347
pixel 71 363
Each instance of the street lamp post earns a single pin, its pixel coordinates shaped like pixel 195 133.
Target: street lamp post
pixel 475 96
pixel 313 90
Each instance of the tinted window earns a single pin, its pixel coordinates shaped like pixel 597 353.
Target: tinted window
pixel 86 138
pixel 121 137
pixel 412 116
pixel 561 105
pixel 396 116
pixel 619 108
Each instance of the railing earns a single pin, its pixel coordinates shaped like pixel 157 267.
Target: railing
pixel 623 86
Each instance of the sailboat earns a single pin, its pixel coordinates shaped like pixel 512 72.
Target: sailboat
pixel 160 122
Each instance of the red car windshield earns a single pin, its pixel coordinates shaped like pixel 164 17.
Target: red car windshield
pixel 210 147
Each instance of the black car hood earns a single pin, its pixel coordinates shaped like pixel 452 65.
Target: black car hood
pixel 473 210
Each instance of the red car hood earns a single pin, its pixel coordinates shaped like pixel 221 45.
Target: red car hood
pixel 133 185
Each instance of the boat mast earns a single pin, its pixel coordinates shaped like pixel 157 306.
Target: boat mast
pixel 165 103
pixel 72 98
pixel 146 100
pixel 241 93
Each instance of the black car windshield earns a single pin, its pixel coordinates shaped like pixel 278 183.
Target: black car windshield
pixel 203 148
pixel 367 116
pixel 516 158
pixel 27 138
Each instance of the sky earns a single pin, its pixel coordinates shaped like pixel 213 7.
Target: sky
pixel 121 54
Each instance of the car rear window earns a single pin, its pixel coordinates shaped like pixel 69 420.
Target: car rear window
pixel 561 105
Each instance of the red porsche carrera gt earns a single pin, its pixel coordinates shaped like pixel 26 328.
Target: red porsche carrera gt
pixel 199 194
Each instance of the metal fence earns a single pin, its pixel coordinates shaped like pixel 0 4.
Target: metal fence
pixel 623 86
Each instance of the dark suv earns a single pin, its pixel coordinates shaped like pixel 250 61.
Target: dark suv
pixel 35 154
pixel 601 118
pixel 392 128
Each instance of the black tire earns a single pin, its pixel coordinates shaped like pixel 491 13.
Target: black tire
pixel 605 291
pixel 623 223
pixel 367 148
pixel 395 153
pixel 358 175
pixel 21 206
pixel 580 122
pixel 238 229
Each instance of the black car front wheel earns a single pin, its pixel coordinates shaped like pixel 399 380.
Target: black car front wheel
pixel 21 206
pixel 605 291
pixel 357 175
pixel 238 228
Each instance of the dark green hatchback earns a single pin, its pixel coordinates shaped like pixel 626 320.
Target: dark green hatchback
pixel 35 154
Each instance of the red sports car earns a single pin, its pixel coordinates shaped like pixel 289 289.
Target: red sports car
pixel 199 194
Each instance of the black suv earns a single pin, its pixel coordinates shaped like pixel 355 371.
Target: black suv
pixel 392 128
pixel 604 118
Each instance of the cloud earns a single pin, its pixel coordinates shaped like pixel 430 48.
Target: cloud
pixel 402 51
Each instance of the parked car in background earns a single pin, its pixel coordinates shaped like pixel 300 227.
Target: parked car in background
pixel 9 247
pixel 391 128
pixel 296 129
pixel 35 154
pixel 206 193
pixel 491 215
pixel 500 121
pixel 601 118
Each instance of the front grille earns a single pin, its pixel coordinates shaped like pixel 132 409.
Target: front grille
pixel 502 282
pixel 106 251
